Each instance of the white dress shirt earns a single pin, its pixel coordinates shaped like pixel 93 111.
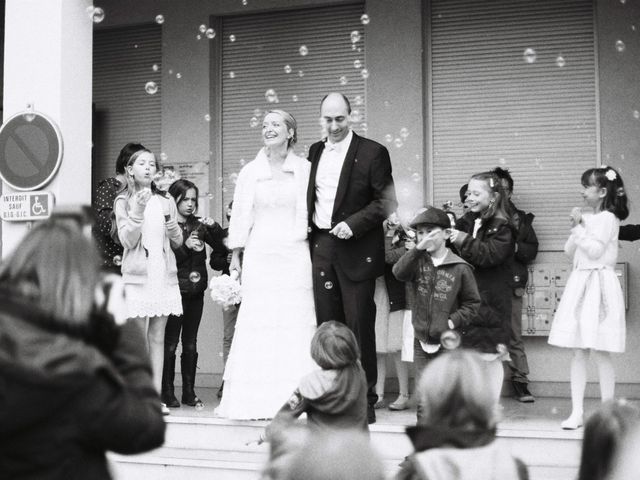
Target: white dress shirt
pixel 327 177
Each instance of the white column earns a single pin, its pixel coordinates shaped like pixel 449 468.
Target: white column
pixel 48 63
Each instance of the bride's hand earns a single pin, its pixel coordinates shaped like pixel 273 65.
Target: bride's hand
pixel 235 263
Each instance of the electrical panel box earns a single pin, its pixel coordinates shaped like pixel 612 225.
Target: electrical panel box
pixel 543 291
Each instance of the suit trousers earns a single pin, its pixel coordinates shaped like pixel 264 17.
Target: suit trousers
pixel 518 364
pixel 347 301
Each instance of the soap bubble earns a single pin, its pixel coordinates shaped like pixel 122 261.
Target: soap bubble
pixel 159 19
pixel 300 73
pixel 170 71
pixel 198 37
pixel 364 126
pixel 287 69
pixel 244 3
pixel 232 74
pixel 328 285
pixel 560 61
pixel 355 36
pixel 178 75
pixel 388 138
pixel 294 98
pixel 343 80
pixel 636 114
pixel 364 19
pixel 155 67
pixel 404 133
pixel 357 64
pixel 233 177
pixel 257 112
pixel 398 142
pixel 358 100
pixel 365 73
pixel 242 162
pixel 620 46
pixel 253 123
pixel 529 55
pixel 232 38
pixel 304 51
pixel 210 33
pixel 322 274
pixel 195 277
pixel 271 96
pixel 117 260
pixel 96 14
pixel 368 259
pixel 151 87
pixel 202 28
pixel 207 117
pixel 356 116
pixel 502 161
pixel 416 177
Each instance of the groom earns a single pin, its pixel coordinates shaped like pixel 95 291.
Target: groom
pixel 350 194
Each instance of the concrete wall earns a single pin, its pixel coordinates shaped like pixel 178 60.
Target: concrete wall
pixel 395 99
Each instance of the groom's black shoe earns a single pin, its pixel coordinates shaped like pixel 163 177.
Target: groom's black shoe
pixel 371 414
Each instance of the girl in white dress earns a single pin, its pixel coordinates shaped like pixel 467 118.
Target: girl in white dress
pixel 590 315
pixel 147 224
pixel 276 320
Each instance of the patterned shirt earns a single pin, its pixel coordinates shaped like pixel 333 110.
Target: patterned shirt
pixel 103 206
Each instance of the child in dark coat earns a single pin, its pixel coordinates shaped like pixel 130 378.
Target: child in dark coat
pixel 334 397
pixel 444 289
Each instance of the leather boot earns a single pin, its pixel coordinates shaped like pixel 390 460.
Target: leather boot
pixel 167 395
pixel 188 363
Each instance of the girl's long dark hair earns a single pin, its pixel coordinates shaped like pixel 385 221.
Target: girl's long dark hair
pixel 499 207
pixel 615 201
pixel 179 188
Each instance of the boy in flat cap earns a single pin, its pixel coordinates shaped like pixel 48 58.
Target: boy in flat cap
pixel 444 289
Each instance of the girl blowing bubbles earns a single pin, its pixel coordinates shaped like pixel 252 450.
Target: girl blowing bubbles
pixel 148 229
pixel 590 315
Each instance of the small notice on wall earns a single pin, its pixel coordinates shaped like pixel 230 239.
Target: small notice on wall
pixel 25 206
pixel 196 172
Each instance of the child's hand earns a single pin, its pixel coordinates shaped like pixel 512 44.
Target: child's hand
pixel 575 217
pixel 426 240
pixel 142 197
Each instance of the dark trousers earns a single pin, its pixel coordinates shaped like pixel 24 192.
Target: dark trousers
pixel 518 364
pixel 341 299
pixel 188 322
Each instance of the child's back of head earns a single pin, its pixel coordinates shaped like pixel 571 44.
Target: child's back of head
pixel 334 346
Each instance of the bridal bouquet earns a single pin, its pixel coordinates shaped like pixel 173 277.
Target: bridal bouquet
pixel 225 290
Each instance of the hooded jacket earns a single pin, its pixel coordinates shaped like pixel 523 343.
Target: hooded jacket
pixel 459 454
pixel 332 399
pixel 440 293
pixel 64 402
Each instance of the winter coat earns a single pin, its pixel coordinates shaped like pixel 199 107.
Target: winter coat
pixel 459 454
pixel 332 399
pixel 526 247
pixel 64 402
pixel 189 261
pixel 440 293
pixel 220 253
pixel 134 259
pixel 491 254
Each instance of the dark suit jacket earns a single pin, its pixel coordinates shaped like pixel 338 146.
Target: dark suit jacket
pixel 365 197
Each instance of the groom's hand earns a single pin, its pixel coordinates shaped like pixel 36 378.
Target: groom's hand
pixel 342 231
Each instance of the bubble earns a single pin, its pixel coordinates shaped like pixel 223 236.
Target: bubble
pixel 300 73
pixel 554 411
pixel 155 67
pixel 502 161
pixel 354 47
pixel 232 74
pixel 210 33
pixel 365 73
pixel 387 104
pixel 170 71
pixel 199 406
pixel 294 98
pixel 253 123
pixel 178 75
pixel 620 46
pixel 633 28
pixel 416 177
pixel 242 162
pixel 135 45
pixel 623 2
pixel 404 133
pixel 257 112
pixel 96 14
pixel 287 69
pixel 198 37
pixel 210 196
pixel 151 87
pixel 356 116
pixel 355 36
pixel 398 142
pixel 202 28
pixel 271 96
pixel 322 274
pixel 560 61
pixel 163 157
pixel 343 80
pixel 368 260
pixel 364 19
pixel 364 126
pixel 117 260
pixel 450 339
pixel 304 51
pixel 529 55
pixel 388 138
pixel 357 64
pixel 244 3
pixel 358 100
pixel 636 114
pixel 207 117
pixel 232 38
pixel 194 277
pixel 328 285
pixel 159 19
pixel 233 177
pixel 220 179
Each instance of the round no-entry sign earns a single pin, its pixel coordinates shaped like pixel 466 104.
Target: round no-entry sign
pixel 30 151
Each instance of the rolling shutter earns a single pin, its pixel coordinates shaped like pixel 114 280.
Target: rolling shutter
pixel 254 62
pixel 492 104
pixel 123 60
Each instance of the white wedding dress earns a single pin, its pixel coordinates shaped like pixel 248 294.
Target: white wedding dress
pixel 270 351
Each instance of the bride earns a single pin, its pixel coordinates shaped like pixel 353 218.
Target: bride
pixel 276 320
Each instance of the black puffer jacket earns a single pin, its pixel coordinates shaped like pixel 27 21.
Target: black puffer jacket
pixel 192 265
pixel 491 254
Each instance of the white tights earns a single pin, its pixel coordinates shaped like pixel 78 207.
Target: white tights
pixel 496 376
pixel 402 370
pixel 606 375
pixel 155 342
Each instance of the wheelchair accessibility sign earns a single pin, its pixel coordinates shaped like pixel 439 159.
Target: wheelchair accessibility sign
pixel 26 206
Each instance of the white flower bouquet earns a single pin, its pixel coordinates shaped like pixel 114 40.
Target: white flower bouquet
pixel 226 290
